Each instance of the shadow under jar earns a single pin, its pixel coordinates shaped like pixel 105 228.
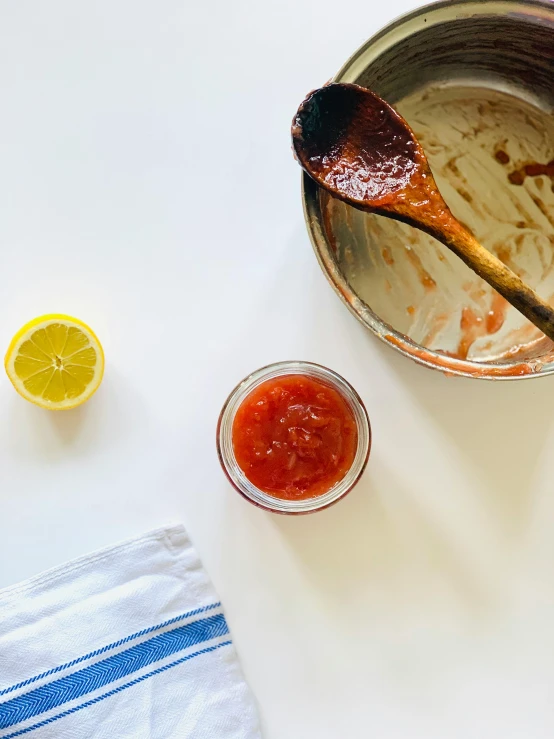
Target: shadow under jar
pixel 474 81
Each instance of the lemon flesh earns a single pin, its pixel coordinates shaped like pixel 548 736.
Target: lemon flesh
pixel 55 362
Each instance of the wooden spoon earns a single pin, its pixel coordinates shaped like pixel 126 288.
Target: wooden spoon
pixel 356 146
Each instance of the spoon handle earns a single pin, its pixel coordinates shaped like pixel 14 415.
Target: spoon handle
pixel 458 239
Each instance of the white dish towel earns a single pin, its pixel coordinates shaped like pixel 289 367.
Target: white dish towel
pixel 127 643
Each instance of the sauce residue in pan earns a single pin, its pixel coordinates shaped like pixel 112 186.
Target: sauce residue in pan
pixel 473 138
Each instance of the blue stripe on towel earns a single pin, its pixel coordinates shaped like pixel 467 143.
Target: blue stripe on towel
pixel 113 692
pixel 99 674
pixel 108 647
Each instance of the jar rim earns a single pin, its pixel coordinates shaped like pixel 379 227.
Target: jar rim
pixel 238 478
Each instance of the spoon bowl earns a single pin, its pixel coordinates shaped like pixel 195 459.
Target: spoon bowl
pixel 355 145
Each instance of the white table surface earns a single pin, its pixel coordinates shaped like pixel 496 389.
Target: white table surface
pixel 134 138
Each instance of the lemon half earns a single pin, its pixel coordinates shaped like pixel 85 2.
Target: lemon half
pixel 55 362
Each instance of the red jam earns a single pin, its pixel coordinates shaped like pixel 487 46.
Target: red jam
pixel 294 437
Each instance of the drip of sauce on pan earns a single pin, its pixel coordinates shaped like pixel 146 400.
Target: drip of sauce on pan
pixel 424 277
pixel 388 259
pixel 530 169
pixel 451 365
pixel 473 326
pixel 502 157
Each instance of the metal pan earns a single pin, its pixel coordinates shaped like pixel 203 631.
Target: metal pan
pixel 474 80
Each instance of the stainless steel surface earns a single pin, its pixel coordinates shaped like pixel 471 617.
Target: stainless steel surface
pixel 474 80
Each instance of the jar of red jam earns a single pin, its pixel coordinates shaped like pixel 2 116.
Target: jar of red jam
pixel 294 437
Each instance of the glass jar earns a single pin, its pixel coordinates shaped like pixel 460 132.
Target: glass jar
pixel 235 474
